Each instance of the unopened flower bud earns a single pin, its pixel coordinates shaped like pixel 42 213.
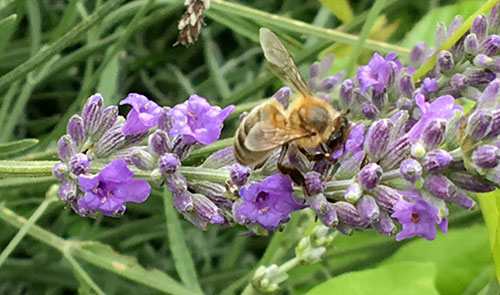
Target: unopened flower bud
pixel 346 93
pixel 353 192
pixel 183 201
pixel 60 171
pixel 430 84
pixel 482 61
pixel 471 44
pixel 406 85
pixel 486 156
pixel 216 192
pixel 344 229
pixel 314 70
pixel 164 120
pixel 396 153
pixel 379 99
pixel 476 76
pixel 386 197
pixel 181 147
pixel 65 147
pixel 206 209
pixel 79 164
pixel 418 150
pixel 444 61
pixel 159 142
pixel 348 214
pixel 369 111
pixel 479 26
pixel 168 163
pixel 350 167
pixel 283 95
pixel 176 182
pixel 67 190
pixel 468 182
pixel 489 97
pixel 385 225
pixel 329 82
pixel 91 114
pixel 479 124
pixel 368 209
pixel 323 209
pixel 439 34
pixel 490 45
pixel 433 134
pixel 112 140
pixel 142 159
pixel 454 24
pixel 75 129
pixel 313 183
pixel 239 174
pixel 411 170
pixel 436 160
pixel 377 139
pixel 440 186
pixel 417 53
pixel 462 200
pixel 369 175
pixel 221 158
pixel 458 81
pixel 495 124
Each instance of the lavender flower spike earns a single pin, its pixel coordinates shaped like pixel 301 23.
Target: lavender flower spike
pixel 142 116
pixel 111 188
pixel 197 120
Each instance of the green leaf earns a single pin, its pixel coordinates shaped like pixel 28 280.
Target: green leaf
pixel 108 81
pixel 490 207
pixel 340 8
pixel 14 147
pixel 396 278
pixel 7 26
pixel 424 29
pixel 180 252
pixel 460 256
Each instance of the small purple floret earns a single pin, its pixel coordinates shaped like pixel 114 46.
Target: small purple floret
pixel 268 202
pixel 374 74
pixel 111 188
pixel 142 116
pixel 196 120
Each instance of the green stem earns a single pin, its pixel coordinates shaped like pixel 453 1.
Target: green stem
pixel 370 20
pixel 180 252
pixel 24 229
pixel 82 273
pixel 448 43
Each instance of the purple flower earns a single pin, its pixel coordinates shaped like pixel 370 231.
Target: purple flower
pixel 268 202
pixel 196 120
pixel 417 218
pixel 142 116
pixel 375 73
pixel 441 108
pixel 111 187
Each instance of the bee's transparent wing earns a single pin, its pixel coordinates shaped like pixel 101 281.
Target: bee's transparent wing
pixel 281 62
pixel 264 136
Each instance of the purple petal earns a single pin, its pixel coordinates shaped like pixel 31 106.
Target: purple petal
pixel 88 183
pixel 116 171
pixel 136 190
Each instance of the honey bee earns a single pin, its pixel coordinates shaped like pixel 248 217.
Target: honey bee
pixel 308 121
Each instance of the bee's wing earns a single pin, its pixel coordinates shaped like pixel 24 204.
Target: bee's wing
pixel 281 62
pixel 264 136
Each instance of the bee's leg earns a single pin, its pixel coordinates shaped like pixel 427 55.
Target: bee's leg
pixel 292 172
pixel 316 156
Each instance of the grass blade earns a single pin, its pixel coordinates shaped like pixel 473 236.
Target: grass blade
pixel 182 258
